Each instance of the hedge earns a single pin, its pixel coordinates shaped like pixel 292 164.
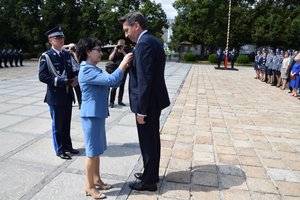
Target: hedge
pixel 243 59
pixel 189 57
pixel 212 58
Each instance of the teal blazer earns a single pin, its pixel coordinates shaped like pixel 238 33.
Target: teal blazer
pixel 94 84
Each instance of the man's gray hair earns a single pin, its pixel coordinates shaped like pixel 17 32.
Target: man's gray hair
pixel 133 17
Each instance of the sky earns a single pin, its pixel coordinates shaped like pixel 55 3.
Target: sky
pixel 168 8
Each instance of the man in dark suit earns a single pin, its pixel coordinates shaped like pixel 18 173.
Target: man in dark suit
pixel 55 70
pixel 148 95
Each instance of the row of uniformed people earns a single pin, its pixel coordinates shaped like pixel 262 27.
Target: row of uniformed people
pixel 274 67
pixel 11 58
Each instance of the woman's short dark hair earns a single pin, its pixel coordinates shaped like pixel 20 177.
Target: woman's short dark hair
pixel 84 45
pixel 133 17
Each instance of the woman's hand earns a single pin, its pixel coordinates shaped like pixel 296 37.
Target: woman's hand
pixel 127 59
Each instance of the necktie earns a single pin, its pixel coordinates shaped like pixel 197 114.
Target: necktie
pixel 61 57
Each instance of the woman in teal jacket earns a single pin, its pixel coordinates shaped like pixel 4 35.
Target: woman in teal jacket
pixel 94 84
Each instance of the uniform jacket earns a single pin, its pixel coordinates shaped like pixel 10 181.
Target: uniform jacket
pixel 57 93
pixel 232 56
pixel 147 87
pixel 276 62
pixel 262 62
pixel 220 55
pixel 94 84
pixel 269 61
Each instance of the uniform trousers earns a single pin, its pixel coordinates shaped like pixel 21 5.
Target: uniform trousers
pixel 61 124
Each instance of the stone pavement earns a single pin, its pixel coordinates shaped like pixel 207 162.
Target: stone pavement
pixel 225 136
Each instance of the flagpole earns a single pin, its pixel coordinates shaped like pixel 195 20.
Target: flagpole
pixel 227 40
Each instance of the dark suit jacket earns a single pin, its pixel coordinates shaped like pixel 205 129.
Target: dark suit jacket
pixel 147 87
pixel 56 90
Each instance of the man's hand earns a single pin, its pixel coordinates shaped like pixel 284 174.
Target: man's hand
pixel 140 119
pixel 68 82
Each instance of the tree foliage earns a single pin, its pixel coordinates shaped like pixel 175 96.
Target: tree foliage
pixel 261 22
pixel 24 22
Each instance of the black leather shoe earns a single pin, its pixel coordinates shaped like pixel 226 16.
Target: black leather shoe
pixel 140 186
pixel 138 176
pixel 111 105
pixel 64 156
pixel 121 103
pixel 72 151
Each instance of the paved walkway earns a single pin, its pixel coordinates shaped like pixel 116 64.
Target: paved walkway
pixel 225 136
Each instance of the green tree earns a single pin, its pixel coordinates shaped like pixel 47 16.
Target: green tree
pixel 260 22
pixel 25 22
pixel 8 30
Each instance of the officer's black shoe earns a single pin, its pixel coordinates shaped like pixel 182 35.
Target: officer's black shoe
pixel 138 175
pixel 72 151
pixel 111 105
pixel 64 156
pixel 121 103
pixel 140 186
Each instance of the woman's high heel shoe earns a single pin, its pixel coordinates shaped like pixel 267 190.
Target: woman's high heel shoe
pixel 103 187
pixel 98 196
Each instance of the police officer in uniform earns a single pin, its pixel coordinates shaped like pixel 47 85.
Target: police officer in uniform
pixel 4 56
pixel 220 56
pixel 16 57
pixel 20 51
pixel 10 56
pixel 232 56
pixel 1 58
pixel 55 70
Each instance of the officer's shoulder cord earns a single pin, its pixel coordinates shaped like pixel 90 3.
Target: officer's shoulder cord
pixel 51 67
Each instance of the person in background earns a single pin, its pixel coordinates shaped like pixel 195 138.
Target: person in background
pixel 283 69
pixel 277 60
pixel 10 56
pixel 291 64
pixel 56 71
pixel 1 58
pixel 16 57
pixel 21 57
pixel 256 65
pixel 220 57
pixel 71 48
pixel 271 67
pixel 4 57
pixel 148 95
pixel 95 85
pixel 262 66
pixel 116 57
pixel 232 56
pixel 295 76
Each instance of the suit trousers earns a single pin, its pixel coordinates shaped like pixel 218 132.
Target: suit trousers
pixel 61 124
pixel 149 139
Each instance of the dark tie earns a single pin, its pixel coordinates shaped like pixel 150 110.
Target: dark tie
pixel 61 57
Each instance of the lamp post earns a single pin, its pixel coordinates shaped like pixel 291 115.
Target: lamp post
pixel 227 41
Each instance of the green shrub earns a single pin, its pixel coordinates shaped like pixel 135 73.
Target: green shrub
pixel 212 58
pixel 189 57
pixel 243 59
